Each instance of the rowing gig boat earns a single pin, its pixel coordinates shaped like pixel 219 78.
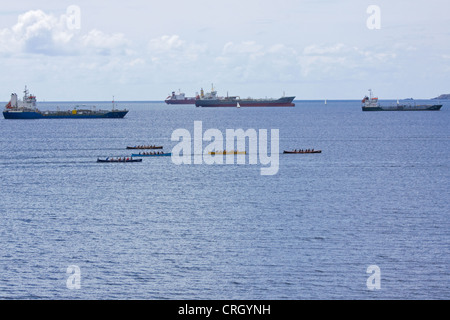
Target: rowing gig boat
pixel 145 147
pixel 117 160
pixel 152 155
pixel 304 151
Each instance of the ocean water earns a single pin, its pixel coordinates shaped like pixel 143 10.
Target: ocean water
pixel 378 194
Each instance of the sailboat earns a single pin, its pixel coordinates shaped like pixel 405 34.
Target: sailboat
pixel 238 105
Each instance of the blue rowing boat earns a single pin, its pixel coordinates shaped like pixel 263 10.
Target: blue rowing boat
pixel 119 160
pixel 151 155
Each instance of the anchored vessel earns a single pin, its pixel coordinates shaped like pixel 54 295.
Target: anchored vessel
pixel 371 104
pixel 302 151
pixel 26 109
pixel 211 99
pixel 179 98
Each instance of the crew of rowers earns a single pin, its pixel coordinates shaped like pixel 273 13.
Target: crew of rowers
pixel 119 159
pixel 151 153
pixel 146 147
pixel 305 150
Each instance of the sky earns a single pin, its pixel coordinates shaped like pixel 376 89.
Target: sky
pixel 143 50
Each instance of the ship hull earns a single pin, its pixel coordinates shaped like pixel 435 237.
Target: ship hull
pixel 436 107
pixel 143 148
pixel 152 155
pixel 62 115
pixel 282 102
pixel 186 101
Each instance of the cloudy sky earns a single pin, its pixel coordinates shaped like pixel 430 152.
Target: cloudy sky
pixel 142 50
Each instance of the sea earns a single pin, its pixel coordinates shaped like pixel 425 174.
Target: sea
pixel 368 218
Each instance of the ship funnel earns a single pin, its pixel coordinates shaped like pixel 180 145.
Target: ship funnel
pixel 13 99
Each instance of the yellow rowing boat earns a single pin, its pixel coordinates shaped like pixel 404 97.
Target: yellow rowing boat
pixel 227 152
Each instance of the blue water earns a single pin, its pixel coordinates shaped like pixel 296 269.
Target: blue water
pixel 378 194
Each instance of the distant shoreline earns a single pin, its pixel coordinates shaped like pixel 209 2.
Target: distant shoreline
pixel 443 96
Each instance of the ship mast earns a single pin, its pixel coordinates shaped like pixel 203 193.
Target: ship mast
pixel 25 94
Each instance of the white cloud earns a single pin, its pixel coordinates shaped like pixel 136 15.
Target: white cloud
pixel 245 47
pixel 252 61
pixel 8 44
pixel 323 50
pixel 340 60
pixel 37 32
pixel 104 44
pixel 136 62
pixel 166 44
pixel 171 48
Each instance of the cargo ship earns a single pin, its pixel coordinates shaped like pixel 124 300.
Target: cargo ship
pixel 26 109
pixel 371 104
pixel 179 98
pixel 211 99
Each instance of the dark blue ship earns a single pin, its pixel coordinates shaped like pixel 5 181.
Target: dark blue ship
pixel 371 104
pixel 26 109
